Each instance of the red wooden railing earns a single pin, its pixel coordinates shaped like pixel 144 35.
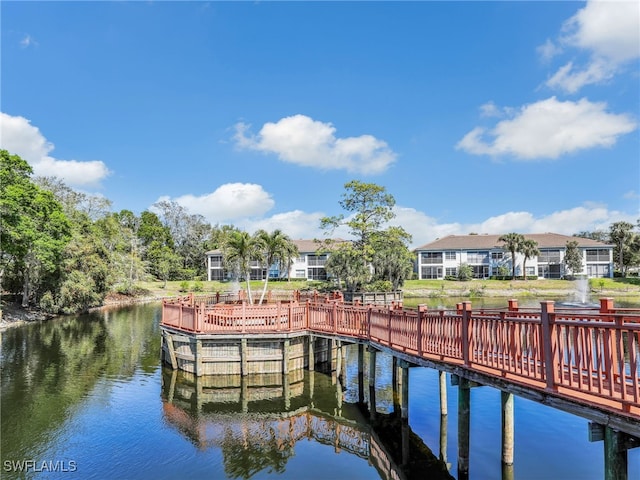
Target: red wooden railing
pixel 590 356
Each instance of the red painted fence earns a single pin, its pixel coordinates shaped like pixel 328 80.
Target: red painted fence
pixel 589 355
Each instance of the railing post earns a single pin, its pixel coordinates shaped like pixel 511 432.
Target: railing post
pixel 369 322
pixel 278 314
pixel 390 309
pixel 290 315
pixel 421 310
pixel 546 312
pixel 606 305
pixel 334 314
pixel 513 305
pixel 244 316
pixel 308 314
pixel 199 320
pixel 466 344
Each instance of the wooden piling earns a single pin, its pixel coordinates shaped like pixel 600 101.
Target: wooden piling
pixel 372 383
pixel 507 428
pixel 464 414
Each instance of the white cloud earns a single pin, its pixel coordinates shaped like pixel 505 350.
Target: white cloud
pixel 548 129
pixel 19 137
pixel 587 217
pixel 228 202
pixel 28 41
pixel 296 224
pixel 608 31
pixel 303 141
pixel 548 50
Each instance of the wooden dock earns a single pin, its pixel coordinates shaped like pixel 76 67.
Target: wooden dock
pixel 587 358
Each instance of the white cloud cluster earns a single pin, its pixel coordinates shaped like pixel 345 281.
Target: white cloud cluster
pixel 228 202
pixel 549 128
pixel 303 141
pixel 587 217
pixel 19 137
pixel 609 31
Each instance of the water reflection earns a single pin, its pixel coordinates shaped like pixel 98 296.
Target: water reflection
pixel 49 367
pixel 257 422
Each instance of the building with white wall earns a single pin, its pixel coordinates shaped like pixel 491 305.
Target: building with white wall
pixel 485 254
pixel 308 265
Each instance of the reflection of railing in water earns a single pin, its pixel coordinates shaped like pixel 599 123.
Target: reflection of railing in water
pixel 215 424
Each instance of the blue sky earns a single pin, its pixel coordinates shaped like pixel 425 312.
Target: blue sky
pixel 485 117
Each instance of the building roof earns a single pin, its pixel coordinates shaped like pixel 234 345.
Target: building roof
pixel 490 241
pixel 304 246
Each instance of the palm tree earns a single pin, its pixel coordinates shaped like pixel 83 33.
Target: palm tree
pixel 274 248
pixel 240 249
pixel 529 249
pixel 512 243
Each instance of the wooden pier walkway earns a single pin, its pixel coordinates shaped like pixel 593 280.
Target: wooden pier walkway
pixel 587 357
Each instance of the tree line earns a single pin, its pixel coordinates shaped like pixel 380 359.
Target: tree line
pixel 64 250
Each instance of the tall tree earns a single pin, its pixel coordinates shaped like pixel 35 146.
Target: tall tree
pixel 273 248
pixel 392 259
pixel 370 207
pixel 573 257
pixel 528 249
pixel 34 229
pixel 621 234
pixel 239 250
pixel 512 243
pixel 345 264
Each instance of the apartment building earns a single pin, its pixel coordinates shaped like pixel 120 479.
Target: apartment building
pixel 485 254
pixel 308 265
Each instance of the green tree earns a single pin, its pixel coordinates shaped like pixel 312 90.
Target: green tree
pixel 370 207
pixel 528 249
pixel 621 235
pixel 465 272
pixel 345 264
pixel 34 228
pixel 239 250
pixel 573 257
pixel 392 259
pixel 273 248
pixel 512 244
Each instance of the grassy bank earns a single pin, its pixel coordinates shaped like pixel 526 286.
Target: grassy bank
pixel 614 287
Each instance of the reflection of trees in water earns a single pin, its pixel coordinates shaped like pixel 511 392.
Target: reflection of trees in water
pixel 257 449
pixel 49 367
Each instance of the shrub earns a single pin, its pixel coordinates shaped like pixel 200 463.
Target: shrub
pixel 184 286
pixel 198 287
pixel 48 303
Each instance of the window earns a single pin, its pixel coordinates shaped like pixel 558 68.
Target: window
pixel 316 260
pixel 451 272
pixel 549 271
pixel 449 255
pixel 215 261
pixel 431 272
pixel 497 255
pixel 598 255
pixel 477 257
pixel 549 256
pixel 300 274
pixel 316 274
pixel 217 274
pixel 597 270
pixel 531 271
pixel 431 257
pixel 480 271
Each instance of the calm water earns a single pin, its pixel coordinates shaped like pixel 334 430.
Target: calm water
pixel 85 397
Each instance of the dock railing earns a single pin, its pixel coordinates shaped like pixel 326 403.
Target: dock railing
pixel 589 356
